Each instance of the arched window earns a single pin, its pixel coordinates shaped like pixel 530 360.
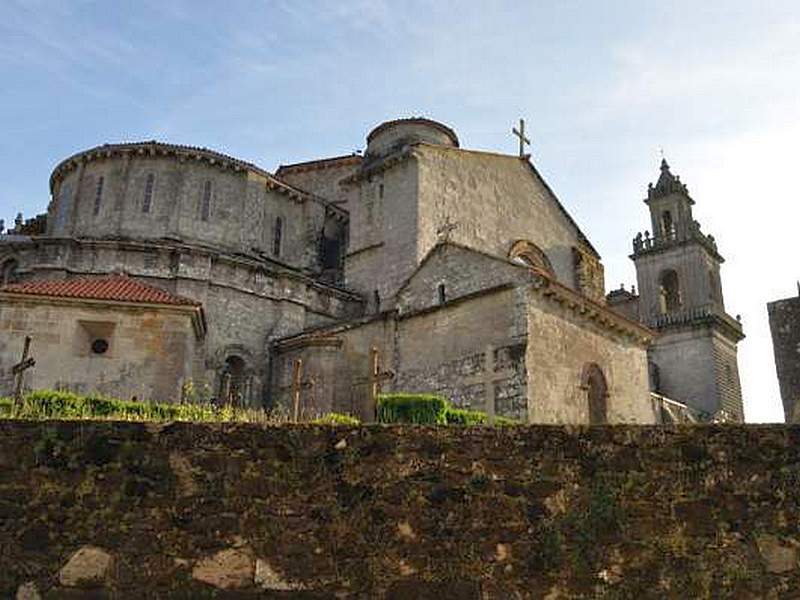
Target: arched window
pixel 529 254
pixel 277 237
pixel 442 293
pixel 594 382
pixel 8 272
pixel 669 291
pixel 233 388
pixel 205 203
pixel 148 192
pixel 666 224
pixel 98 195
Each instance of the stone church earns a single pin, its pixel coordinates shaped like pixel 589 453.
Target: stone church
pixel 165 272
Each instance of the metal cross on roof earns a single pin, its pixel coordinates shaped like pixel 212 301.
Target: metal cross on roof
pixel 520 133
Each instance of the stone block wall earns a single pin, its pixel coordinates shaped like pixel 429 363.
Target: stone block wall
pixel 132 510
pixel 784 323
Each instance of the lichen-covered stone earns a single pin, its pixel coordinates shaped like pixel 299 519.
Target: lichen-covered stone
pixel 779 556
pixel 227 569
pixel 28 591
pixel 88 567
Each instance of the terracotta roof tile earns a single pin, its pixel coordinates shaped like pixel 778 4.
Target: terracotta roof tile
pixel 117 288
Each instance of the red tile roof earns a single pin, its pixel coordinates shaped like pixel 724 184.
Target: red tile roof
pixel 118 288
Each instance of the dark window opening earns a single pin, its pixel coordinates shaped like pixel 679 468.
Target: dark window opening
pixel 376 297
pixel 233 382
pixel 442 294
pixel 98 195
pixel 148 193
pixel 205 206
pixel 666 223
pixel 277 237
pixel 100 346
pixel 380 191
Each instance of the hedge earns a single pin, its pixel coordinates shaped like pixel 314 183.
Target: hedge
pixel 420 409
pixel 460 416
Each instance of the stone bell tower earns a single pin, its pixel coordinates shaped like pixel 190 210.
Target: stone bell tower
pixel 693 359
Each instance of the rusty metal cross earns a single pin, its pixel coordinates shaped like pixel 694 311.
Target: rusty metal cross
pixel 25 363
pixel 298 385
pixel 520 133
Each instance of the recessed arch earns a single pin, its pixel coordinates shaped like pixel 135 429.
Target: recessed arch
pixel 529 254
pixel 669 291
pixel 593 381
pixel 9 271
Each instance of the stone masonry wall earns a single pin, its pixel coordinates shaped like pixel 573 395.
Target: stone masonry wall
pixel 784 323
pixel 131 510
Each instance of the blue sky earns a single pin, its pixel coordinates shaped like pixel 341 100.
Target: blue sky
pixel 602 85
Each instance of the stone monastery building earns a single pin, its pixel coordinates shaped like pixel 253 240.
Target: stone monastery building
pixel 165 272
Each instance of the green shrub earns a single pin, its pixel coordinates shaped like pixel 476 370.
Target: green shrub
pixel 336 419
pixel 460 416
pixel 6 404
pixel 420 409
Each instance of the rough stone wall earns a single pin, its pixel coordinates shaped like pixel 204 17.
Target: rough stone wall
pixel 151 351
pixel 383 232
pixel 131 510
pixel 784 323
pixel 325 182
pixel 471 351
pixel 560 346
pixel 494 200
pixel 685 360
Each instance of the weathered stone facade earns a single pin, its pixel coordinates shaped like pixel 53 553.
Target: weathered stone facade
pixel 458 271
pixel 784 323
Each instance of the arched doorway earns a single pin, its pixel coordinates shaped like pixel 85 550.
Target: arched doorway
pixel 669 291
pixel 594 382
pixel 9 271
pixel 234 383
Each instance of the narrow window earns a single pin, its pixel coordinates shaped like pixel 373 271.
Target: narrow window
pixel 666 222
pixel 205 205
pixel 380 191
pixel 148 193
pixel 276 241
pixel 376 296
pixel 98 195
pixel 442 294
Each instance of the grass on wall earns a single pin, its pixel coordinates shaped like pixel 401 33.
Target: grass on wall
pixel 420 409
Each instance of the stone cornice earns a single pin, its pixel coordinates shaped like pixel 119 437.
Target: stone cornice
pixel 320 164
pixel 584 307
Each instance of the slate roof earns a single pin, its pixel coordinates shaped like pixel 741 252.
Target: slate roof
pixel 116 288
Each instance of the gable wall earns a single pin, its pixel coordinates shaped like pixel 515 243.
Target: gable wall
pixel 495 201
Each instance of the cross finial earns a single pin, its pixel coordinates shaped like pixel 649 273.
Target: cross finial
pixel 520 133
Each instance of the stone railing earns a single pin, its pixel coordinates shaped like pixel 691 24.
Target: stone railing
pixel 643 243
pixel 668 411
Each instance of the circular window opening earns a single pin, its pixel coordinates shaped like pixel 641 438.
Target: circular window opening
pixel 100 346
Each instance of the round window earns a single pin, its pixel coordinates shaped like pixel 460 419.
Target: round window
pixel 99 346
